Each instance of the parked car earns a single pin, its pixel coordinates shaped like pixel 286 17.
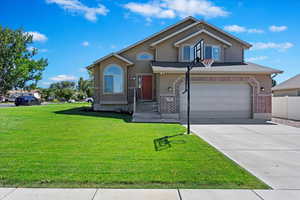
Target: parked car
pixel 89 100
pixel 12 98
pixel 71 101
pixel 27 101
pixel 2 99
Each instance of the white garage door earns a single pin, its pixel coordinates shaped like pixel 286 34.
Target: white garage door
pixel 223 100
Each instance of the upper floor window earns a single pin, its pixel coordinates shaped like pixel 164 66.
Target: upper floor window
pixel 144 56
pixel 187 53
pixel 212 52
pixel 113 77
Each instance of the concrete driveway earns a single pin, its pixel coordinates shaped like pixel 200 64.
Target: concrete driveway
pixel 270 152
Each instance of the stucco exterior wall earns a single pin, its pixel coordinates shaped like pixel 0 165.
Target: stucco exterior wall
pixel 102 99
pixel 166 51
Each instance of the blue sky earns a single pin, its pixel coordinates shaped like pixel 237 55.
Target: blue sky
pixel 74 33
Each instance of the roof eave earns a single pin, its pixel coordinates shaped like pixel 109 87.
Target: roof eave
pixel 176 44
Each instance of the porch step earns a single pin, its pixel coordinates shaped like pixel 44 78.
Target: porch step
pixel 151 117
pixel 150 106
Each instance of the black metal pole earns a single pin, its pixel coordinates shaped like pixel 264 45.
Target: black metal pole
pixel 188 100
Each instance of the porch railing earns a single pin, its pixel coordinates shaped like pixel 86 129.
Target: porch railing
pixel 134 100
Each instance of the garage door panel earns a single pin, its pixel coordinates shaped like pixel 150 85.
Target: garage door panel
pixel 218 101
pixel 215 114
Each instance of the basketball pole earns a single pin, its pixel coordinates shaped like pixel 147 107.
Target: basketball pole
pixel 188 99
pixel 198 50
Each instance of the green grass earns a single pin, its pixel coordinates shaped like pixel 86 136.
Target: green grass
pixel 65 146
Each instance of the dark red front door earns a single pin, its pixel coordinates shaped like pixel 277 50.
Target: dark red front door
pixel 147 87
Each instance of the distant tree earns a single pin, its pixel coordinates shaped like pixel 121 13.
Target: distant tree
pixel 17 66
pixel 274 83
pixel 63 90
pixel 84 88
pixel 47 94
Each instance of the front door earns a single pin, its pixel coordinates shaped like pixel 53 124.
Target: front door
pixel 147 87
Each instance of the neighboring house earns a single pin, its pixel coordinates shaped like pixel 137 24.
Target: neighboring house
pixel 286 100
pixel 13 94
pixel 290 87
pixel 155 68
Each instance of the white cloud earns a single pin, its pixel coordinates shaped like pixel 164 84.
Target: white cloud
pixel 75 6
pixel 241 29
pixel 82 69
pixel 63 77
pixel 235 28
pixel 274 28
pixel 258 58
pixel 174 8
pixel 85 44
pixel 30 48
pixel 37 37
pixel 271 45
pixel 46 83
pixel 113 46
pixel 254 30
pixel 42 50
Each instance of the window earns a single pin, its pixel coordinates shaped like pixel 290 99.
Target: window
pixel 113 79
pixel 187 53
pixel 144 56
pixel 212 52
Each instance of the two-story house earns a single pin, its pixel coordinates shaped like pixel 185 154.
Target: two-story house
pixel 148 77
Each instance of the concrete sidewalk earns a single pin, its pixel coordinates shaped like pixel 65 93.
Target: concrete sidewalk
pixel 145 194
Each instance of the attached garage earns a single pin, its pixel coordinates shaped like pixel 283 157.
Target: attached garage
pixel 217 101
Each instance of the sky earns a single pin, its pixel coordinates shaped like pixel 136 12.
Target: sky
pixel 72 34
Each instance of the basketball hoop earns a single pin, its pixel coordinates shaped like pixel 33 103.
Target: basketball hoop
pixel 207 62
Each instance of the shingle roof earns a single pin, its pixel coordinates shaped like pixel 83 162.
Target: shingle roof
pixel 227 67
pixel 291 83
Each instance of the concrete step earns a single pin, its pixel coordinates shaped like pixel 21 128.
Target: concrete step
pixel 147 107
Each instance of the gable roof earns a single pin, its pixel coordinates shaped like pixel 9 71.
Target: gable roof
pixel 115 55
pixel 291 83
pixel 141 41
pixel 199 32
pixel 246 44
pixel 173 34
pixel 196 21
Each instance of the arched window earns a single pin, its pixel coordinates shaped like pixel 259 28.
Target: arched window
pixel 144 56
pixel 113 77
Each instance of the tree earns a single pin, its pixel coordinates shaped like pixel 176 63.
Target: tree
pixel 17 66
pixel 84 88
pixel 274 83
pixel 63 90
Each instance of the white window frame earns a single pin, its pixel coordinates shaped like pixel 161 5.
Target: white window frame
pixel 191 52
pixel 214 46
pixel 139 54
pixel 123 79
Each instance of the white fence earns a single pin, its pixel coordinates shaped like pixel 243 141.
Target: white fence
pixel 286 107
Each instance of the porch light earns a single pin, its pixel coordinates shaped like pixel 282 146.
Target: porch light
pixel 262 89
pixel 170 89
pixel 133 78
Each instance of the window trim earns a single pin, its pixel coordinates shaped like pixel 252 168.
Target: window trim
pixel 215 46
pixel 103 80
pixel 182 52
pixel 144 52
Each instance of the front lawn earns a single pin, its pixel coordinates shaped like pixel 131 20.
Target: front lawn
pixel 65 146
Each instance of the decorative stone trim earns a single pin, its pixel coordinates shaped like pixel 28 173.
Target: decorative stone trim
pixel 167 104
